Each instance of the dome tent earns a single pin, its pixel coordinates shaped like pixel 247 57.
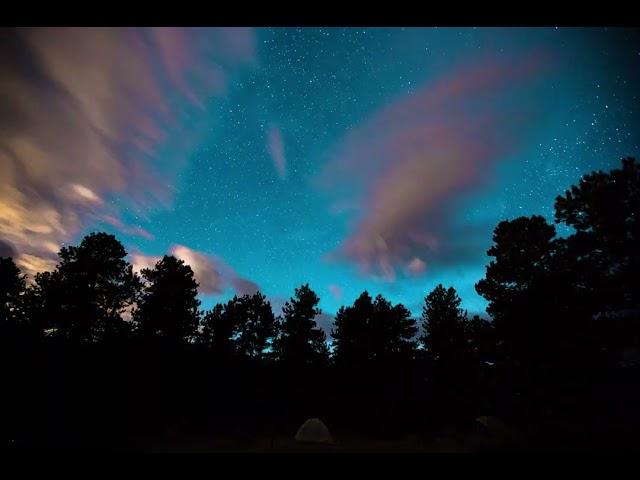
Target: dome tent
pixel 314 431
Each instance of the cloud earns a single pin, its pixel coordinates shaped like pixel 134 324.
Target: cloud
pixel 204 269
pixel 409 163
pixel 336 291
pixel 140 261
pixel 416 266
pixel 213 275
pixel 85 194
pixel 34 263
pixel 93 114
pixel 275 145
pixel 243 286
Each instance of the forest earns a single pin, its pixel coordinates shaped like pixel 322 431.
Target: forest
pixel 97 356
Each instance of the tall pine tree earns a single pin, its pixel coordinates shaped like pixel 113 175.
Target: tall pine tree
pixel 300 341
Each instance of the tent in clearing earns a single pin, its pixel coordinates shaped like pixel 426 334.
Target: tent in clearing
pixel 313 431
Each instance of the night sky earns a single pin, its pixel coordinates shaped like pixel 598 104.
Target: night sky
pixel 349 158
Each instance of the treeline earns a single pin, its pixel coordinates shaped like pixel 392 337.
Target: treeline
pixel 92 350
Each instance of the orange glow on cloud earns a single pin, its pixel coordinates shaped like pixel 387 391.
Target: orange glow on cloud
pixel 86 113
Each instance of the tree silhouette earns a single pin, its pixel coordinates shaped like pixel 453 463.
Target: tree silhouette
pixel 300 342
pixel 85 297
pixel 604 210
pixel 443 325
pixel 218 328
pixel 168 306
pixel 374 348
pixel 257 325
pixel 12 287
pixel 515 283
pixel 393 330
pixel 351 333
pixel 373 330
pixel 544 291
pixel 20 377
pixel 449 368
pixel 480 339
pixel 244 325
pixel 601 258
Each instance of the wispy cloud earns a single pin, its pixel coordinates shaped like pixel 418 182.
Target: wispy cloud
pixel 243 286
pixel 336 291
pixel 416 266
pixel 204 268
pixel 86 114
pixel 412 160
pixel 275 145
pixel 213 275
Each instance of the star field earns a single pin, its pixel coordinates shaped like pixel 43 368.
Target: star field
pixel 247 187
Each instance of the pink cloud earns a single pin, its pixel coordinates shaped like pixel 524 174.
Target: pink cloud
pixel 242 286
pixel 179 49
pixel 416 266
pixel 213 275
pixel 336 291
pixel 275 146
pixel 87 113
pixel 411 160
pixel 128 229
pixel 204 269
pixel 140 261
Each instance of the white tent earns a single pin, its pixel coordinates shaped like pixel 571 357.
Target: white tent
pixel 313 431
